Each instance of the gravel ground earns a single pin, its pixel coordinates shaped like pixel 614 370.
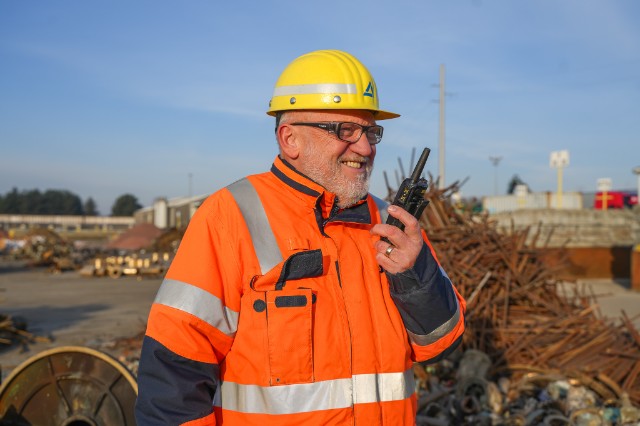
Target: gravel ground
pixel 71 310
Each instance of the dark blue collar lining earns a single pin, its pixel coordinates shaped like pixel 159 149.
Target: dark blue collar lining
pixel 354 214
pixel 292 183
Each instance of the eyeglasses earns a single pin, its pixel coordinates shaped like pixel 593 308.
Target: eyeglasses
pixel 347 131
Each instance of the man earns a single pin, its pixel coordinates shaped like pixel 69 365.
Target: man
pixel 283 305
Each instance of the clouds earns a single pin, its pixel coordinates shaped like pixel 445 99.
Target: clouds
pixel 185 87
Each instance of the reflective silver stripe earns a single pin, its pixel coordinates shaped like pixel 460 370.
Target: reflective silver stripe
pixel 199 303
pixel 312 89
pixel 264 242
pixel 443 330
pixel 382 208
pixel 383 387
pixel 325 395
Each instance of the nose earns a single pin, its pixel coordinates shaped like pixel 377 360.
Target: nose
pixel 363 147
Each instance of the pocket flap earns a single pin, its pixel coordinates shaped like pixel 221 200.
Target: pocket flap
pixel 304 264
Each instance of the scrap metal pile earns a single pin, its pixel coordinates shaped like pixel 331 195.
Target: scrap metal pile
pixel 539 342
pixel 142 251
pixel 43 247
pixel 139 264
pixel 14 330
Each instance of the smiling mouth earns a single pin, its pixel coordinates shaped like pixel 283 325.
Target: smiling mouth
pixel 354 164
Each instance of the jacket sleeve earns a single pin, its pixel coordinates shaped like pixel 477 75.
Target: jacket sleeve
pixel 431 308
pixel 191 325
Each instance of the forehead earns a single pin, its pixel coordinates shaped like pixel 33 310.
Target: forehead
pixel 356 116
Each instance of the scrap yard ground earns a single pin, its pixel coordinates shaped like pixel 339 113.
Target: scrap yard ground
pixel 73 310
pixel 68 309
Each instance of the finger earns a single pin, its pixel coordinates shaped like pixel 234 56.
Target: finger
pixel 389 250
pixel 408 220
pixel 386 260
pixel 390 235
pixel 393 262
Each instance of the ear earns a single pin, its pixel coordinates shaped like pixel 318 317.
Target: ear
pixel 288 141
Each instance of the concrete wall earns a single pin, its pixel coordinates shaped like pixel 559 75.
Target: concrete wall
pixel 533 200
pixel 581 243
pixel 577 228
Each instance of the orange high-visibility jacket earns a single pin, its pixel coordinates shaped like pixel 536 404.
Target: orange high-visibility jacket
pixel 275 312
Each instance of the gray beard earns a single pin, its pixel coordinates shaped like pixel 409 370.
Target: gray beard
pixel 348 191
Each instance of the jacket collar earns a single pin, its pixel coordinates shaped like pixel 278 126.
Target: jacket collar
pixel 319 199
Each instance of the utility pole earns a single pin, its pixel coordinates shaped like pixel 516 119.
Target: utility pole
pixel 190 184
pixel 495 160
pixel 636 171
pixel 442 136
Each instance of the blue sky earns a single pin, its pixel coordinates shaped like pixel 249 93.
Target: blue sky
pixel 107 98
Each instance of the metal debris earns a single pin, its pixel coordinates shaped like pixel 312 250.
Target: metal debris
pixel 458 391
pixel 41 247
pixel 139 264
pixel 13 330
pixel 152 260
pixel 517 313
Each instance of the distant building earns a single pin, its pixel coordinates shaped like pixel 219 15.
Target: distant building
pixel 170 213
pixel 59 223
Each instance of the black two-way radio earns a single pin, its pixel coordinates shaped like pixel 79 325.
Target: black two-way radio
pixel 410 195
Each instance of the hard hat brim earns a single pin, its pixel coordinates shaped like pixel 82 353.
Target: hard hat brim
pixel 378 115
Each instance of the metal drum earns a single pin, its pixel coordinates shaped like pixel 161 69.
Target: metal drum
pixel 69 386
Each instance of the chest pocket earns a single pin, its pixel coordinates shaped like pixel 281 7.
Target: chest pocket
pixel 286 300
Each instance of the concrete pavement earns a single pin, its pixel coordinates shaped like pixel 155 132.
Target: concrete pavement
pixel 614 297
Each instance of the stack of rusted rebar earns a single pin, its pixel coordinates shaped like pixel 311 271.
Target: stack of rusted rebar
pixel 517 312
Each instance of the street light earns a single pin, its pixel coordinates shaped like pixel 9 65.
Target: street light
pixel 495 160
pixel 559 160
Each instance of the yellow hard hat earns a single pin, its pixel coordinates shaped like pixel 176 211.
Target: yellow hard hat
pixel 326 79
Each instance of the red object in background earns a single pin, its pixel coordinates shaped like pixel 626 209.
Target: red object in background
pixel 615 200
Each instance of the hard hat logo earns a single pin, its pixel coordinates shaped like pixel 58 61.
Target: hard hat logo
pixel 369 91
pixel 326 79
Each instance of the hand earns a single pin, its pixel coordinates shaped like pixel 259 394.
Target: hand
pixel 405 245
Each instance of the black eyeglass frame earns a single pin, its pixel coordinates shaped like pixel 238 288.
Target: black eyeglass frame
pixel 335 126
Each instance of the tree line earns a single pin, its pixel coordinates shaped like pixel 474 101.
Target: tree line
pixel 61 202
